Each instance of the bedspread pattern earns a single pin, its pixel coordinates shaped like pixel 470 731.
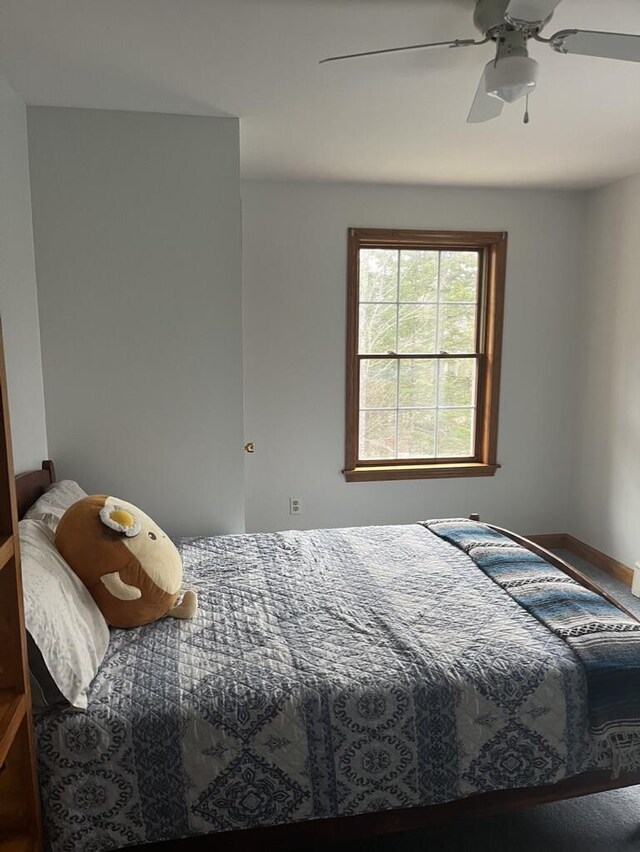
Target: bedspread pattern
pixel 327 673
pixel 604 639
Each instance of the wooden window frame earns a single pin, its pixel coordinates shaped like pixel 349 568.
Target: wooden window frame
pixel 492 248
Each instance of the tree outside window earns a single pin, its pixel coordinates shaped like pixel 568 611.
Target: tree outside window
pixel 423 353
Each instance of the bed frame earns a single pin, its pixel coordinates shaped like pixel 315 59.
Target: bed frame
pixel 33 484
pixel 30 485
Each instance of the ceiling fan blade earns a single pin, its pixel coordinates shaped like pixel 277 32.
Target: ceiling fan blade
pixel 623 46
pixel 484 107
pixel 530 11
pixel 458 42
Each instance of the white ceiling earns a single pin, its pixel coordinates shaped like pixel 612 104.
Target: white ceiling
pixel 398 118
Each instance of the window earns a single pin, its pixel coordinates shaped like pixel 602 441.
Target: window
pixel 424 332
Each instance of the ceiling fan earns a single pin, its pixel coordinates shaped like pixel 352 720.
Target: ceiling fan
pixel 512 73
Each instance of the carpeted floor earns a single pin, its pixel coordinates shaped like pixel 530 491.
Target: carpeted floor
pixel 614 587
pixel 606 822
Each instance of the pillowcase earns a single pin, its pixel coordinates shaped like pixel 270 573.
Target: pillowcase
pixel 55 502
pixel 61 618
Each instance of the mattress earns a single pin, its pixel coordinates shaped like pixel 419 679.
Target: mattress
pixel 327 673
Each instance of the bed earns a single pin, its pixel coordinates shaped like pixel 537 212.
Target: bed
pixel 334 683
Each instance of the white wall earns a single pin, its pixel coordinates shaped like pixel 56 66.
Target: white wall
pixel 138 240
pixel 294 257
pixel 605 492
pixel 18 299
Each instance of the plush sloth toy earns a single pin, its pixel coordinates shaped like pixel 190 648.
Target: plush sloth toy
pixel 129 565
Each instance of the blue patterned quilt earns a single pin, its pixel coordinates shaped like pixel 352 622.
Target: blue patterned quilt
pixel 327 673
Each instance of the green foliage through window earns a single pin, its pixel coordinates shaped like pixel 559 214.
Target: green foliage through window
pixel 417 302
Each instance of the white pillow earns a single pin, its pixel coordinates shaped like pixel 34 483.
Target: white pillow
pixel 55 502
pixel 60 614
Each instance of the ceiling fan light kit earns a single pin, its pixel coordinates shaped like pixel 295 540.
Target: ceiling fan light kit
pixel 513 74
pixel 511 78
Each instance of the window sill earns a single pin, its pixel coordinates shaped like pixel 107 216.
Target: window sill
pixel 419 471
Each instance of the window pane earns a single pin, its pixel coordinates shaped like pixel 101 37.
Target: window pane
pixel 418 276
pixel 417 328
pixel 418 384
pixel 378 384
pixel 416 434
pixel 455 432
pixel 457 383
pixel 378 275
pixel 457 328
pixel 458 276
pixel 377 329
pixel 378 434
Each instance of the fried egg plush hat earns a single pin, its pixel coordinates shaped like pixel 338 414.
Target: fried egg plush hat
pixel 129 565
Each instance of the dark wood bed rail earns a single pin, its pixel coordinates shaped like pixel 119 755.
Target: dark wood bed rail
pixel 33 484
pixel 575 573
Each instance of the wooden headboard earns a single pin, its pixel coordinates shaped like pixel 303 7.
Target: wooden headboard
pixel 33 484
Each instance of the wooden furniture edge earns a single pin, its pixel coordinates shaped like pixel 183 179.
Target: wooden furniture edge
pixel 601 560
pixel 32 484
pixel 20 818
pixel 17 706
pixel 566 541
pixel 6 550
pixel 571 570
pixel 432 471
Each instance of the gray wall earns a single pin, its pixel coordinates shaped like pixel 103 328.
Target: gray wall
pixel 605 488
pixel 137 236
pixel 18 298
pixel 294 255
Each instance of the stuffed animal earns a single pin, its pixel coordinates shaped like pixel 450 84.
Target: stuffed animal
pixel 129 565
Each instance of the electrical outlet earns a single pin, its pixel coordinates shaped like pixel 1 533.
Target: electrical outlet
pixel 295 506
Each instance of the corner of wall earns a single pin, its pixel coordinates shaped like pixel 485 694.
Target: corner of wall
pixel 18 291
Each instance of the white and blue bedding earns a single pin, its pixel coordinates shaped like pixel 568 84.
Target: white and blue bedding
pixel 605 640
pixel 326 673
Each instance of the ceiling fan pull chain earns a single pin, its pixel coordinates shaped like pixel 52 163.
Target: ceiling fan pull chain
pixel 525 120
